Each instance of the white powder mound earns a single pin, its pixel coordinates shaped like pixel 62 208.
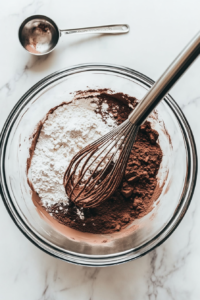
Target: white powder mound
pixel 66 131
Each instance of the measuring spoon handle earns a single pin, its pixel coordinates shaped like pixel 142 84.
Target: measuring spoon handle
pixel 109 29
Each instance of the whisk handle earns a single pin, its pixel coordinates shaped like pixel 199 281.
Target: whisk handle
pixel 166 81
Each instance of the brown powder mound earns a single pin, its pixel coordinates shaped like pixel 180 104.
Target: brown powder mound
pixel 134 198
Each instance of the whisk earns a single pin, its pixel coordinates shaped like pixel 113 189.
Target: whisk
pixel 96 171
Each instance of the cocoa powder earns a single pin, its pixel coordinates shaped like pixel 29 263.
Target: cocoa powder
pixel 134 197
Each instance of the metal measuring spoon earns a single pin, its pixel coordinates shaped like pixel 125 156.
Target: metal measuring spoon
pixel 39 34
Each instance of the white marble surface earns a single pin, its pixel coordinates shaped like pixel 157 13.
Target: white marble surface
pixel 159 30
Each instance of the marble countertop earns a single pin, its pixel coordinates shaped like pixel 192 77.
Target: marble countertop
pixel 159 30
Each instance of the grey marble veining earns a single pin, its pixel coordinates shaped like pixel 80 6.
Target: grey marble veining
pixel 159 30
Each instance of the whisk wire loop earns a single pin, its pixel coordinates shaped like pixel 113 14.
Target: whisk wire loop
pixel 97 170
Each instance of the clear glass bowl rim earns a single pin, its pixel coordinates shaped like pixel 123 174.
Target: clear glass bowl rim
pixel 187 194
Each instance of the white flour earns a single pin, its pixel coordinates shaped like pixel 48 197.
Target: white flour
pixel 66 131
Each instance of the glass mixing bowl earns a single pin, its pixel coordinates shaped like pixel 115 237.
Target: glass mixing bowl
pixel 177 174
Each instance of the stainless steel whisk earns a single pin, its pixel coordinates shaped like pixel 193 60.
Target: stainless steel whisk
pixel 96 171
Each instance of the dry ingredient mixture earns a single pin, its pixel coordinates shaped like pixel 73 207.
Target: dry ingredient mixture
pixel 38 39
pixel 67 129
